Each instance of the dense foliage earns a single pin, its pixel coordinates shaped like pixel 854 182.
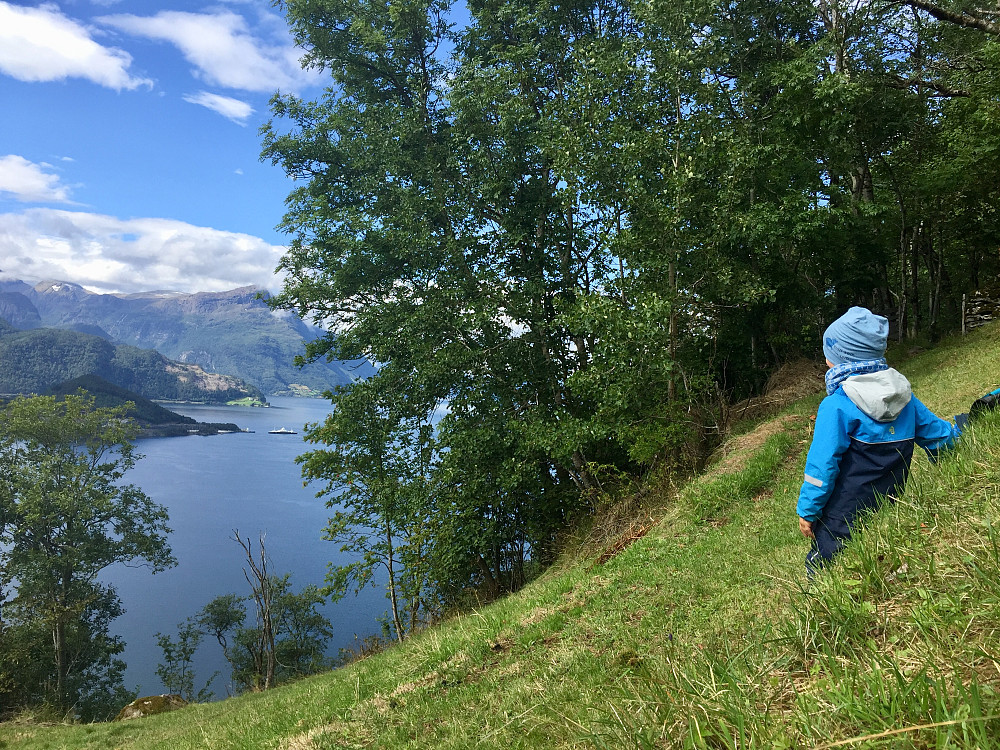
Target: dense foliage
pixel 286 640
pixel 583 227
pixel 66 514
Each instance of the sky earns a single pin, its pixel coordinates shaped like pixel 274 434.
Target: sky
pixel 129 144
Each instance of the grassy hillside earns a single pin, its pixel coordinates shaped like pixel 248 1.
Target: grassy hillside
pixel 689 623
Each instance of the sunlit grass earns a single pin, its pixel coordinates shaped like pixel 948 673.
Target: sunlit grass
pixel 701 633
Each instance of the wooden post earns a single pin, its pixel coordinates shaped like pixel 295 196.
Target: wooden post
pixel 963 314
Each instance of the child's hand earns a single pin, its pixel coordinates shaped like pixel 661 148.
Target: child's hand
pixel 806 528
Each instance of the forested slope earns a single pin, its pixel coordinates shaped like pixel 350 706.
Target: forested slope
pixel 686 621
pixel 107 394
pixel 36 360
pixel 152 419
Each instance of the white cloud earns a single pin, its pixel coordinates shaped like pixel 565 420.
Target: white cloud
pixel 41 44
pixel 28 182
pixel 234 109
pixel 107 254
pixel 223 49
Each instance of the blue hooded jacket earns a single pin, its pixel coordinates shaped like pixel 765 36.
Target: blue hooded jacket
pixel 861 451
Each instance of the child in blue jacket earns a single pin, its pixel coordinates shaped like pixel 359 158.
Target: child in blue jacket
pixel 865 431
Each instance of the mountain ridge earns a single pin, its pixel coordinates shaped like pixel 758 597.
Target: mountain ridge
pixel 231 332
pixel 35 360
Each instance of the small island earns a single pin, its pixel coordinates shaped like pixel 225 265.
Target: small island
pixel 250 401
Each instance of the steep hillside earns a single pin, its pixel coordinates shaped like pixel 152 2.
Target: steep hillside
pixel 16 309
pixel 152 419
pixel 107 394
pixel 232 332
pixel 33 361
pixel 687 621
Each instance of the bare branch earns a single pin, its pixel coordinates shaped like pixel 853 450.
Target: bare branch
pixel 958 18
pixel 264 659
pixel 904 83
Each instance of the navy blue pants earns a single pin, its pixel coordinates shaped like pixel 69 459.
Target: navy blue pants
pixel 827 543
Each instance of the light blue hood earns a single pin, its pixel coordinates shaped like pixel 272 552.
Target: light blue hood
pixel 880 395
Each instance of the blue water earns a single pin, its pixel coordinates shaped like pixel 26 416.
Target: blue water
pixel 212 486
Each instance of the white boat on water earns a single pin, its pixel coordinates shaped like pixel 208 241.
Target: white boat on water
pixel 282 431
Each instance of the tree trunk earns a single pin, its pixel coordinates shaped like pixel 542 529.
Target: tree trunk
pixel 59 639
pixel 956 17
pixel 490 581
pixel 272 661
pixel 392 586
pixel 915 317
pixel 265 660
pixel 582 476
pixel 672 328
pixel 59 645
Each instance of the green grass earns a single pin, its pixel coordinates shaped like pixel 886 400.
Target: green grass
pixel 703 633
pixel 248 401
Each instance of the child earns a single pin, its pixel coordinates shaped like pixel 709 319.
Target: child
pixel 865 431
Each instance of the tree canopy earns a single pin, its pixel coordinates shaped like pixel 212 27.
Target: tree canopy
pixel 66 514
pixel 584 227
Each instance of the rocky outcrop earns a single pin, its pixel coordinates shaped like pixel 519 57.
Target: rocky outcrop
pixel 17 310
pixel 209 382
pixel 980 309
pixel 150 705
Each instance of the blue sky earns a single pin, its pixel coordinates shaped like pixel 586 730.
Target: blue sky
pixel 129 145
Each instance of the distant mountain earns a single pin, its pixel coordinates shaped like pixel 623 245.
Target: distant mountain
pixel 17 310
pixel 36 360
pixel 152 419
pixel 232 332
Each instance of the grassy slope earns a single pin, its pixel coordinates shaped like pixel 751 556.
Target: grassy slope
pixel 701 633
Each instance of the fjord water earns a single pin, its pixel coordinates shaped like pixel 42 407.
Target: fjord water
pixel 212 486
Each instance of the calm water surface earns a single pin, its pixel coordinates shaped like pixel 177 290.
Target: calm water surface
pixel 211 486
